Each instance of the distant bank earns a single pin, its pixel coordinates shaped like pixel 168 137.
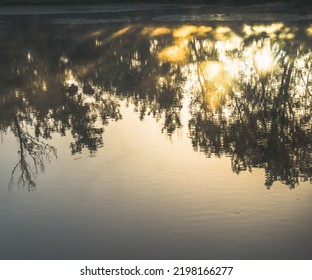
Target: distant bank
pixel 206 2
pixel 290 10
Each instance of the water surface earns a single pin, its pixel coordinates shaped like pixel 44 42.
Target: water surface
pixel 158 140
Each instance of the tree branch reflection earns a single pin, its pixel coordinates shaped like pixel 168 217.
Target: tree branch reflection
pixel 38 152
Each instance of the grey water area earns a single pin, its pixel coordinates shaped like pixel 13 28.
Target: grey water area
pixel 155 135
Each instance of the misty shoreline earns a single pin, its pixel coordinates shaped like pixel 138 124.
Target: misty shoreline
pixel 194 9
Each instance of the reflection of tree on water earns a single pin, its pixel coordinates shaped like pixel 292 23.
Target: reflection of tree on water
pixel 38 152
pixel 35 95
pixel 250 88
pixel 83 113
pixel 264 120
pixel 122 63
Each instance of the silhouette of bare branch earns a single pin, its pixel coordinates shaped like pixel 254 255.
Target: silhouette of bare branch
pixel 39 153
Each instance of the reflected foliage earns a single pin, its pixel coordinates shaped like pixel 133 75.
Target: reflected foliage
pixel 247 88
pixel 263 118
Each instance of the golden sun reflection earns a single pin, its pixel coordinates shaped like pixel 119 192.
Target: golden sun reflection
pixel 121 32
pixel 202 30
pixel 154 32
pixel 97 33
pixel 309 30
pixel 64 59
pixel 223 33
pixel 211 69
pixel 270 29
pixel 177 53
pixel 264 59
pixel 184 31
pixel 44 86
pixel 160 31
pixel 187 30
pixel 70 78
pixel 216 83
pixel 227 59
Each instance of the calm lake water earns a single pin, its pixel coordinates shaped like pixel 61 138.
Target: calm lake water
pixel 155 140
